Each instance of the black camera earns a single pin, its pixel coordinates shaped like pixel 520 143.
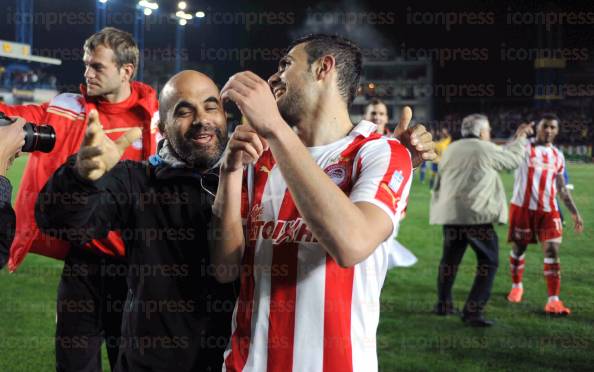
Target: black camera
pixel 37 137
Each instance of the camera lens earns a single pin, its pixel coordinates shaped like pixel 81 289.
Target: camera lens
pixel 39 138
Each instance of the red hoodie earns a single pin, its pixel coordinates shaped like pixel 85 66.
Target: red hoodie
pixel 67 113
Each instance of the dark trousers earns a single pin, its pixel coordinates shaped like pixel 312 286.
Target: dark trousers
pixel 91 296
pixel 483 240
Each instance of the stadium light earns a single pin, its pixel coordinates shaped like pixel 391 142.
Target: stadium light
pixel 102 1
pixel 148 4
pixel 200 14
pixel 183 22
pixel 182 5
pixel 183 15
pixel 148 11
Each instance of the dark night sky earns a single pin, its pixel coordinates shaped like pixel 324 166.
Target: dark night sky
pixel 64 39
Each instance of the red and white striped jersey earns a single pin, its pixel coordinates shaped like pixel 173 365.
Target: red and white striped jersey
pixel 535 181
pixel 298 310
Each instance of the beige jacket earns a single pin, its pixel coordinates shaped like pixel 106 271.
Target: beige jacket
pixel 468 189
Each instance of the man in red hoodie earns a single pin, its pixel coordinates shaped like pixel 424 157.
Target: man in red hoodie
pixel 92 288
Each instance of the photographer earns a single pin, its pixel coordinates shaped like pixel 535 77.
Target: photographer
pixel 12 139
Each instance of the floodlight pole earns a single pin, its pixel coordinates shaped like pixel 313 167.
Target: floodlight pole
pixel 139 37
pixel 24 21
pixel 179 44
pixel 100 15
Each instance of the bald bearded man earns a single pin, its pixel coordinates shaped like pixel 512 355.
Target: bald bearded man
pixel 176 316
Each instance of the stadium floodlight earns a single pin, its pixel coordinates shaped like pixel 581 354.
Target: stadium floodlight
pixel 102 1
pixel 148 4
pixel 183 22
pixel 182 5
pixel 148 11
pixel 200 14
pixel 183 15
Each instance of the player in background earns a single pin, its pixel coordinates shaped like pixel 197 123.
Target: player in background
pixel 377 113
pixel 440 146
pixel 534 212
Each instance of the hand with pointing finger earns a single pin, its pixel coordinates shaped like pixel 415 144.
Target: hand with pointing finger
pixel 525 130
pixel 416 139
pixel 98 153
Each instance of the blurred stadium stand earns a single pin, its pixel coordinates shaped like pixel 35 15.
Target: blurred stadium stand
pixel 397 83
pixel 22 76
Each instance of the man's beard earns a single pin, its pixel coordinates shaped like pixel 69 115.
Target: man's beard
pixel 291 107
pixel 197 155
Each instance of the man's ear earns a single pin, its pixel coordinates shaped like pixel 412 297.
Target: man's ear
pixel 127 71
pixel 161 127
pixel 324 67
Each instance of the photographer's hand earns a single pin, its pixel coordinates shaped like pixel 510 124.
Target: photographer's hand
pixel 98 153
pixel 12 139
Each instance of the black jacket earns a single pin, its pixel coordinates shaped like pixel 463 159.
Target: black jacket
pixel 176 317
pixel 7 220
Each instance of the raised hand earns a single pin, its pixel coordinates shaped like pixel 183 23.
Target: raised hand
pixel 98 153
pixel 524 130
pixel 255 100
pixel 244 147
pixel 418 141
pixel 12 139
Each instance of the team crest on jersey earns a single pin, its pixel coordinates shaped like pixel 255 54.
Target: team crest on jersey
pixel 339 173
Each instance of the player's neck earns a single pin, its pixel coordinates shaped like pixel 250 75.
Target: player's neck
pixel 119 95
pixel 324 125
pixel 543 143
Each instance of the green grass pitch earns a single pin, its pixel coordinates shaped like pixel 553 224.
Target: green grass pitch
pixel 410 338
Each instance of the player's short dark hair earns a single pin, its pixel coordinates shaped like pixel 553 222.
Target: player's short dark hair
pixel 121 42
pixel 348 58
pixel 549 116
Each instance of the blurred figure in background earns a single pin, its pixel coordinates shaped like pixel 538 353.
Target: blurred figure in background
pixel 427 164
pixel 377 113
pixel 440 146
pixel 534 212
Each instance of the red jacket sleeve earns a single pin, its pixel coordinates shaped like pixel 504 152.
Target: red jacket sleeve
pixel 32 113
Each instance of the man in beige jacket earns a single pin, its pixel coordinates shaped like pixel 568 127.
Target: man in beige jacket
pixel 468 197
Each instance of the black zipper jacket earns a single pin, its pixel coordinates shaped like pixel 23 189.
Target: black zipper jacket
pixel 177 317
pixel 7 220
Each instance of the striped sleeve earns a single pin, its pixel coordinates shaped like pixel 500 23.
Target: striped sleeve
pixel 561 168
pixel 383 177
